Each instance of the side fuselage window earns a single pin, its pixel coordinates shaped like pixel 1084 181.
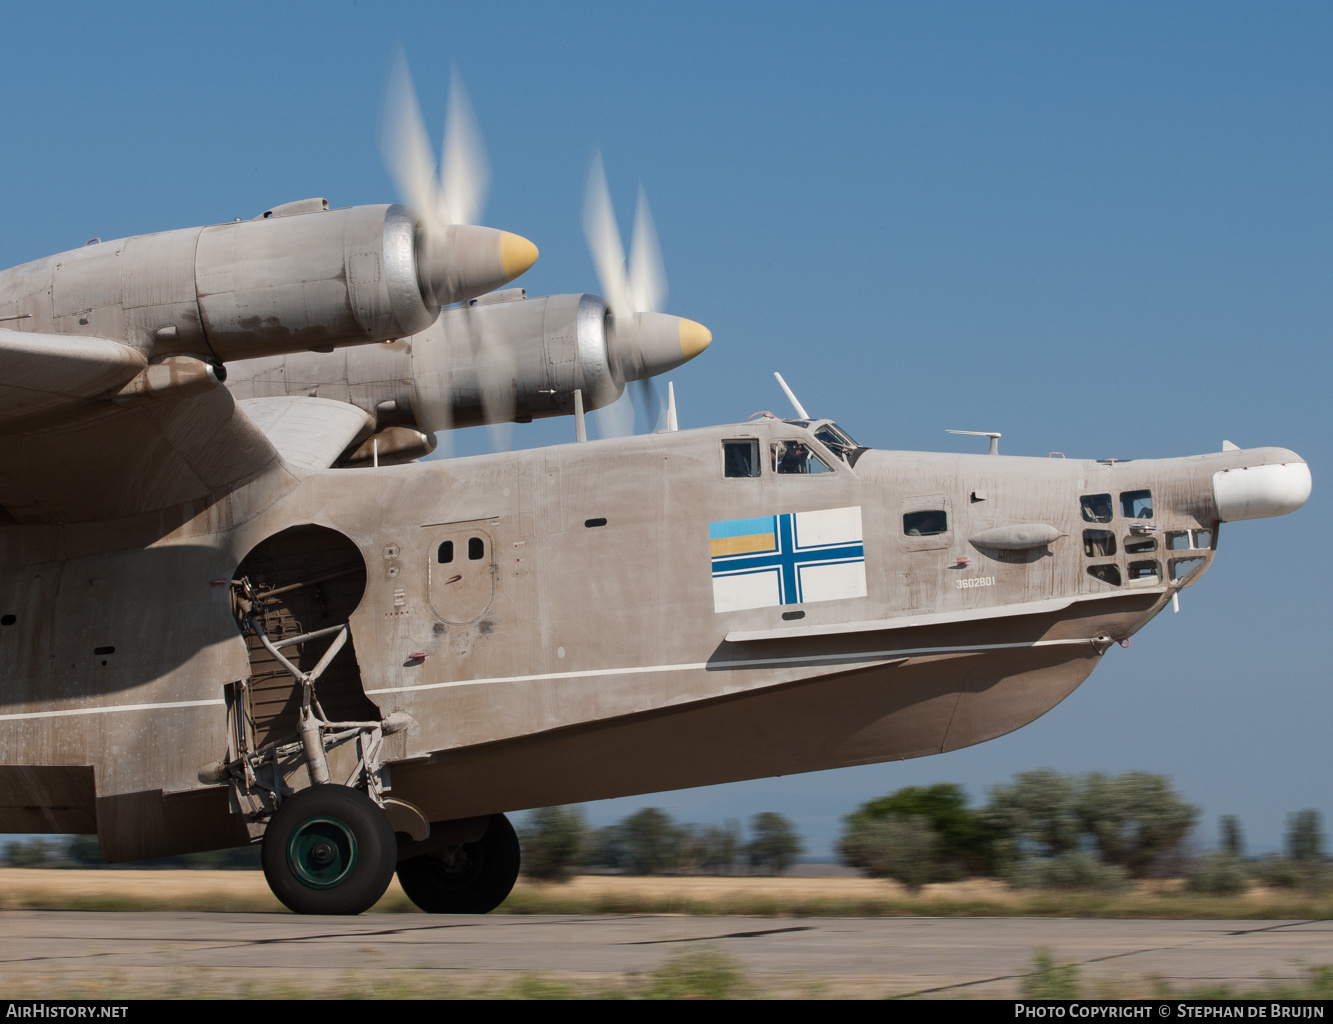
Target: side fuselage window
pixel 925 524
pixel 1098 543
pixel 740 458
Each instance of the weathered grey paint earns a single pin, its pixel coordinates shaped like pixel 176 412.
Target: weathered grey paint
pixel 577 661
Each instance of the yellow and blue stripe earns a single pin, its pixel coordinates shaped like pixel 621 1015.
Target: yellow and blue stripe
pixel 752 536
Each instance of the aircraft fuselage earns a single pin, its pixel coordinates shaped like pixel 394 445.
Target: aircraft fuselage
pixel 591 620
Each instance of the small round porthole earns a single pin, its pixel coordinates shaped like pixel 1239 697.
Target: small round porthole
pixel 8 620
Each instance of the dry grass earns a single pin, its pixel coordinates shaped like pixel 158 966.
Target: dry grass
pixel 237 891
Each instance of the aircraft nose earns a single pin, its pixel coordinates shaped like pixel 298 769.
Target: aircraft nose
pixel 1257 492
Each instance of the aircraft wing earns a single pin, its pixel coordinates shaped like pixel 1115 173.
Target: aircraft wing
pixel 78 443
pixel 43 375
pixel 309 433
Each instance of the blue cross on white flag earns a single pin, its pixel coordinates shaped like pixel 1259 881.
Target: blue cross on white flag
pixel 793 558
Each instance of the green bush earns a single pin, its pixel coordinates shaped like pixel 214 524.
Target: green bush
pixel 1133 820
pixel 1305 838
pixel 1050 979
pixel 1278 872
pixel 774 845
pixel 1220 873
pixel 1076 870
pixel 902 847
pixel 698 974
pixel 554 841
pixel 708 848
pixel 34 853
pixel 1037 814
pixel 964 841
pixel 1233 839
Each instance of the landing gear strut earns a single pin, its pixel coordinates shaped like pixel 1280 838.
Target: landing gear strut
pixel 328 848
pixel 472 878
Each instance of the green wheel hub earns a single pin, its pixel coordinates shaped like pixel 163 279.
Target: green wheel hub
pixel 321 852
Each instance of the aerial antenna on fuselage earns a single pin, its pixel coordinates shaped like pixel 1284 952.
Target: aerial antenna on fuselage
pixel 580 424
pixel 994 436
pixel 791 397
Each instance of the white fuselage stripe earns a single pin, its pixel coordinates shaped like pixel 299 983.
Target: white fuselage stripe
pixel 109 708
pixel 696 666
pixel 699 666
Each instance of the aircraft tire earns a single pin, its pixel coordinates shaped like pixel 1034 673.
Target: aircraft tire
pixel 473 878
pixel 329 850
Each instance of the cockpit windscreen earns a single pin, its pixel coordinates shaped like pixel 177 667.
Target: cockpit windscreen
pixel 836 440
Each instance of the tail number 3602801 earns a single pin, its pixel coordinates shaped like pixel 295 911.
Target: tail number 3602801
pixel 974 581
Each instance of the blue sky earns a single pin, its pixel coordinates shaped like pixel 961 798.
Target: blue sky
pixel 1100 229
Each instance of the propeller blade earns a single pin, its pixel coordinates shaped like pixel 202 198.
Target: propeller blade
pixel 495 377
pixel 647 276
pixel 649 404
pixel 608 254
pixel 616 419
pixel 456 259
pixel 408 154
pixel 465 173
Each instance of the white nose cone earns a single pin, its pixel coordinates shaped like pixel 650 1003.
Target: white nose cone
pixel 1257 492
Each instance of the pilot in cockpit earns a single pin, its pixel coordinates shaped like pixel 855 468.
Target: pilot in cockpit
pixel 793 457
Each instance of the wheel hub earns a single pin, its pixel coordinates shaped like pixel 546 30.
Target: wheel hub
pixel 322 852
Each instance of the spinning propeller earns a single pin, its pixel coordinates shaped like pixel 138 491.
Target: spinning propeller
pixel 642 340
pixel 449 205
pixel 456 259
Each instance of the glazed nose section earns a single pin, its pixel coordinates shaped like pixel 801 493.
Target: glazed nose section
pixel 1257 492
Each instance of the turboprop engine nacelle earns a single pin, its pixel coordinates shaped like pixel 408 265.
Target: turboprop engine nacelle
pixel 299 277
pixel 502 357
pixel 507 357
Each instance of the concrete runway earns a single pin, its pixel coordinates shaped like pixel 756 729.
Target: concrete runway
pixel 65 952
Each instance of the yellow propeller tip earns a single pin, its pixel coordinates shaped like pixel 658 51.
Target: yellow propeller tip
pixel 517 254
pixel 694 338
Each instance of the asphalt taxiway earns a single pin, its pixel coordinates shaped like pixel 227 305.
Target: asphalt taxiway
pixel 222 953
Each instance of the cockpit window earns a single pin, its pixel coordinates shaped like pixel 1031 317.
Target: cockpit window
pixel 741 457
pixel 796 457
pixel 835 439
pixel 1136 504
pixel 1096 508
pixel 926 524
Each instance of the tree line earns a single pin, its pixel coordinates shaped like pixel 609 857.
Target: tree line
pixel 1044 829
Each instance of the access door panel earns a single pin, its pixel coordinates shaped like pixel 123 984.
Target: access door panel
pixel 462 571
